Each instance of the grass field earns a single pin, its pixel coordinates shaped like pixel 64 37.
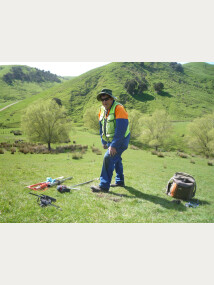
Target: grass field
pixel 143 200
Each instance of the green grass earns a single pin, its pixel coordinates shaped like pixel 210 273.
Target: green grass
pixel 142 201
pixel 200 69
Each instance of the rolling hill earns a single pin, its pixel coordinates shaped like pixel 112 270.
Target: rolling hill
pixel 188 90
pixel 18 82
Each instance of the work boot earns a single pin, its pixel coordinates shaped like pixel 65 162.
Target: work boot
pixel 118 185
pixel 98 189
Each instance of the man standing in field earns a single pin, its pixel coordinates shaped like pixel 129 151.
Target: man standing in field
pixel 115 136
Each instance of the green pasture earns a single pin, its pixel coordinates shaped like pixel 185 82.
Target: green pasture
pixel 143 200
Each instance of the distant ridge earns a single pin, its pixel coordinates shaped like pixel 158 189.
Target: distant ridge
pixel 21 81
pixel 188 90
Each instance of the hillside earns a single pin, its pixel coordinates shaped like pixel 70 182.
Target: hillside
pixel 18 82
pixel 201 70
pixel 188 92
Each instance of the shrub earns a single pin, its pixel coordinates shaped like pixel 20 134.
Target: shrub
pixel 70 148
pixel 96 150
pixel 156 129
pixel 76 155
pixel 134 147
pixel 17 142
pixel 160 154
pixel 17 133
pixel 210 163
pixel 67 141
pixel 5 145
pixel 1 151
pixel 182 155
pixel 136 86
pixel 25 150
pixel 154 152
pixel 158 87
pixel 200 136
pixel 58 101
pixel 90 119
pixel 38 149
pixel 135 125
pixel 13 150
pixel 83 151
pixel 46 151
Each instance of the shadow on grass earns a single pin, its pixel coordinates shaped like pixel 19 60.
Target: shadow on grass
pixel 201 202
pixel 151 198
pixel 165 94
pixel 143 97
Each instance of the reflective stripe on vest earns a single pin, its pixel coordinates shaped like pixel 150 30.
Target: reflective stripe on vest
pixel 109 123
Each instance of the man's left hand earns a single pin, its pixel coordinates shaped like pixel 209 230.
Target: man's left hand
pixel 112 151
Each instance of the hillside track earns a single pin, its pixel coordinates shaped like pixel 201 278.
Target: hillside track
pixel 8 106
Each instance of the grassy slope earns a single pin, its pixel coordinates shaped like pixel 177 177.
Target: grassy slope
pixel 186 95
pixel 201 70
pixel 12 115
pixel 20 90
pixel 143 200
pixel 184 100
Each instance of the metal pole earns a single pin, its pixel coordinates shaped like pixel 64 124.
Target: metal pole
pixel 85 182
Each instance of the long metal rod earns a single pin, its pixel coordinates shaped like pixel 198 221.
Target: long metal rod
pixel 85 182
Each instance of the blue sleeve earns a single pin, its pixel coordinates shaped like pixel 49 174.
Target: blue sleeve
pixel 120 130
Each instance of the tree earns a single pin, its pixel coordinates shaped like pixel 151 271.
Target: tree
pixel 201 135
pixel 135 123
pixel 136 86
pixel 156 129
pixel 142 87
pixel 179 68
pixel 8 78
pixel 91 119
pixel 58 101
pixel 46 122
pixel 29 75
pixel 158 87
pixel 176 66
pixel 131 86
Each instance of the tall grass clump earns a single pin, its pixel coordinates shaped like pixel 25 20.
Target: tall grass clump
pixel 76 155
pixel 96 150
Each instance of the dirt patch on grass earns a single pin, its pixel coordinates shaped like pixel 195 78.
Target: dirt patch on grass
pixel 108 197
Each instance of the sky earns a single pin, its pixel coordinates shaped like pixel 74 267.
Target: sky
pixel 64 68
pixel 61 68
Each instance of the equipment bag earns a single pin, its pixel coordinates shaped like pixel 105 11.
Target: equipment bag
pixel 181 186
